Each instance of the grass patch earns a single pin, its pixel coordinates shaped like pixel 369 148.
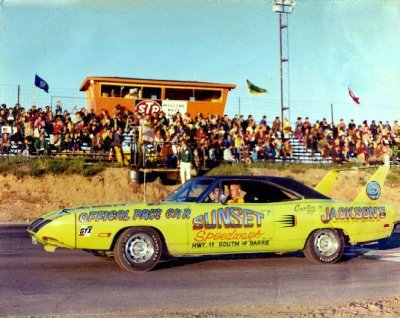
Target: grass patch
pixel 39 166
pixel 245 169
pixel 393 177
pixel 228 169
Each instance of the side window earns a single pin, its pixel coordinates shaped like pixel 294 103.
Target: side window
pixel 262 192
pixel 248 191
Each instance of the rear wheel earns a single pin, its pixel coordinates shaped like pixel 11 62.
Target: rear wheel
pixel 325 246
pixel 138 249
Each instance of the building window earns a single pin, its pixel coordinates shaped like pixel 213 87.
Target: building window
pixel 151 92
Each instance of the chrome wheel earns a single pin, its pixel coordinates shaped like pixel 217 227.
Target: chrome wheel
pixel 326 243
pixel 324 246
pixel 139 248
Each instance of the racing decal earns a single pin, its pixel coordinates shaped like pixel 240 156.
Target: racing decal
pixel 229 217
pixel 234 219
pixel 155 214
pixel 147 214
pixel 288 221
pixel 307 208
pixel 178 214
pixel 204 236
pixel 373 190
pixel 205 244
pixel 96 216
pixel 85 231
pixel 353 213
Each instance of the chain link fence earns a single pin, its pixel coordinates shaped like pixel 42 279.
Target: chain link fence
pixel 257 106
pixel 26 96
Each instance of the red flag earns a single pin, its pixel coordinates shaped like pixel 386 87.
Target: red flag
pixel 355 99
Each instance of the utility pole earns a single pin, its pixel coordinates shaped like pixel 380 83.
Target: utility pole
pixel 283 7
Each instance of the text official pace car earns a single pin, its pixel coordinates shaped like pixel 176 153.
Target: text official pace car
pixel 278 215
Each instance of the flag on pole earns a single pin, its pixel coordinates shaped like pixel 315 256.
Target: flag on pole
pixel 255 90
pixel 353 97
pixel 41 83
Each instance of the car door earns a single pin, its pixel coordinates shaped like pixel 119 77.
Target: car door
pixel 230 227
pixel 283 208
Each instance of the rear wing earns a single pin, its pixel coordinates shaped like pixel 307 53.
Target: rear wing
pixel 371 191
pixel 326 184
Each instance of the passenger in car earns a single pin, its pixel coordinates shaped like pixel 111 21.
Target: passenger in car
pixel 216 195
pixel 234 191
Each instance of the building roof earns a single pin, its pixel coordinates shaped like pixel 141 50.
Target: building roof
pixel 86 83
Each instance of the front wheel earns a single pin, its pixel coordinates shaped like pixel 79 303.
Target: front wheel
pixel 138 249
pixel 325 246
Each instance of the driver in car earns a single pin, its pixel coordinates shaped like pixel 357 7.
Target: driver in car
pixel 234 191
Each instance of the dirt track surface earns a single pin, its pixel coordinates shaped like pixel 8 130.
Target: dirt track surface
pixel 27 198
pixel 387 307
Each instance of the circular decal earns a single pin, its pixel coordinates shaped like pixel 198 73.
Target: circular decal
pixel 373 190
pixel 148 107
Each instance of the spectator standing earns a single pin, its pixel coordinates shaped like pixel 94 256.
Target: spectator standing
pixel 287 128
pixel 307 123
pixel 239 144
pixel 276 124
pixel 186 157
pixel 117 146
pixel 263 121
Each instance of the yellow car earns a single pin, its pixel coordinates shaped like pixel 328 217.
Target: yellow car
pixel 224 215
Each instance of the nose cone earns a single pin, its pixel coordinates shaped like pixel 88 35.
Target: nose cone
pixel 57 232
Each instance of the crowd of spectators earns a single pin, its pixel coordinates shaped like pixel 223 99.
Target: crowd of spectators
pixel 374 142
pixel 212 138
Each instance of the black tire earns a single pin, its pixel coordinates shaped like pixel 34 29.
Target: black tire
pixel 138 249
pixel 324 246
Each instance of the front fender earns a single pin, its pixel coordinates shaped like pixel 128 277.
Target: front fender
pixel 58 232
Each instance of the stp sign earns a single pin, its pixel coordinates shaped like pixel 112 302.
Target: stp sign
pixel 148 107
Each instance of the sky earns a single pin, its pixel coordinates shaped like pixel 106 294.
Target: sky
pixel 332 45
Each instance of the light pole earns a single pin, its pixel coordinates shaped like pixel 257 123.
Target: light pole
pixel 283 7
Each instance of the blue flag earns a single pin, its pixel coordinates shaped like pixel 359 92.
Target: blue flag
pixel 41 83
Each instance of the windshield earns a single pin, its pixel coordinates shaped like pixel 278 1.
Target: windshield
pixel 190 191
